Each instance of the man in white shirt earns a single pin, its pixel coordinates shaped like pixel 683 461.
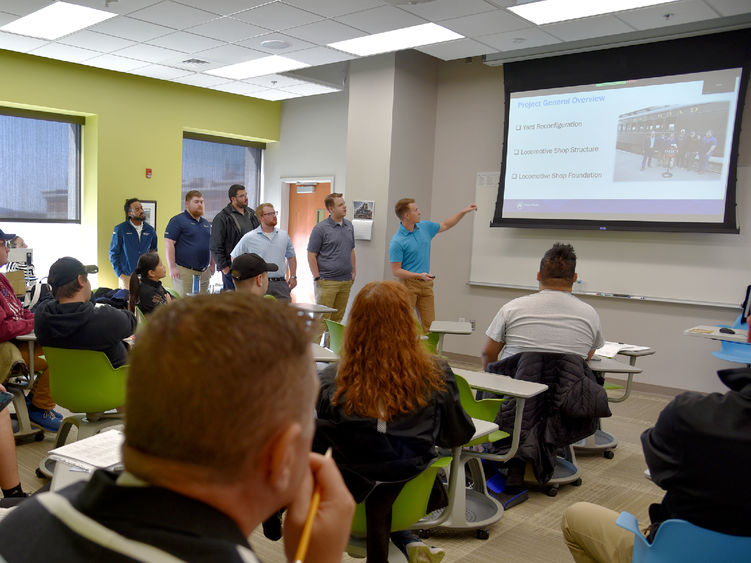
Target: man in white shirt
pixel 552 320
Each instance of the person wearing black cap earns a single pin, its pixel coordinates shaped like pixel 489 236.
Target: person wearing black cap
pixel 72 321
pixel 16 321
pixel 699 451
pixel 250 273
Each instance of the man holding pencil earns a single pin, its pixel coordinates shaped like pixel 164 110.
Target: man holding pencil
pixel 196 484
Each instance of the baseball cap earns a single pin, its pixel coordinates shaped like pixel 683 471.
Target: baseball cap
pixel 4 236
pixel 250 265
pixel 66 269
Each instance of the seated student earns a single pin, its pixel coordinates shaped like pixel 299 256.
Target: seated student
pixel 10 483
pixel 70 320
pixel 250 273
pixel 196 486
pixel 27 269
pixel 384 408
pixel 17 321
pixel 146 291
pixel 699 452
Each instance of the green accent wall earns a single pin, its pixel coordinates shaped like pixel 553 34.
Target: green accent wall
pixel 132 123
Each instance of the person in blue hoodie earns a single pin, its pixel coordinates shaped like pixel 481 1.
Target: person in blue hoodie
pixel 130 239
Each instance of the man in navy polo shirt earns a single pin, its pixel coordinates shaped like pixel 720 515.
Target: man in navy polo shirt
pixel 409 254
pixel 131 238
pixel 186 244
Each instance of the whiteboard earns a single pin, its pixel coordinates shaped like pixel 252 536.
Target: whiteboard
pixel 700 268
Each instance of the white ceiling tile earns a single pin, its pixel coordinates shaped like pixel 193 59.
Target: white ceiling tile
pixel 64 53
pixel 274 81
pixel 149 53
pixel 486 23
pixel 586 28
pixel 519 39
pixel 113 62
pixel 228 29
pixel 295 44
pixel 320 56
pixel 20 43
pixel 325 32
pixel 680 12
pixel 334 8
pixel 186 42
pixel 311 89
pixel 459 49
pixel 238 88
pixel 277 16
pixel 121 7
pixel 275 95
pixel 160 71
pixel 202 80
pixel 378 20
pixel 128 28
pixel 444 9
pixel 172 14
pixel 96 41
pixel 24 7
pixel 730 7
pixel 229 54
pixel 224 7
pixel 7 18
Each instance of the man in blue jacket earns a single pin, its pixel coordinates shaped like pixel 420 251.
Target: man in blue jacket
pixel 131 238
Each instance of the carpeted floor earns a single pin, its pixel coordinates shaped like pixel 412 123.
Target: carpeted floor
pixel 527 533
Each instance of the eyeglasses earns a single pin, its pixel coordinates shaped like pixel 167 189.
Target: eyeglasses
pixel 271 213
pixel 6 244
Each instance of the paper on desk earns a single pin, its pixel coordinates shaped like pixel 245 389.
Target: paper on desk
pixel 611 349
pixel 99 451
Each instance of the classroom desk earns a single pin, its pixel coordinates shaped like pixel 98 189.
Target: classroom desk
pixel 713 333
pixel 25 430
pixel 443 328
pixel 314 308
pixel 321 354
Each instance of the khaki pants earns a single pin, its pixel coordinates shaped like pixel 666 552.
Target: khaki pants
pixel 186 280
pixel 593 536
pixel 332 294
pixel 421 296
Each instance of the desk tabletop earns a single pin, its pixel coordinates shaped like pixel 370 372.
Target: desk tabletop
pixel 321 354
pixel 451 327
pixel 483 428
pixel 27 337
pixel 607 365
pixel 314 308
pixel 501 384
pixel 713 332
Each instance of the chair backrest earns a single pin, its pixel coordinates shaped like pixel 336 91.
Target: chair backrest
pixel 484 409
pixel 410 505
pixel 430 342
pixel 336 335
pixel 679 541
pixel 172 292
pixel 84 380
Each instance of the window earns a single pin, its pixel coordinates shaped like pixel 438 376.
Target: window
pixel 40 166
pixel 212 164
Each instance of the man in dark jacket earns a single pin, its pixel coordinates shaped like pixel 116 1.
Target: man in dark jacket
pixel 699 452
pixel 71 320
pixel 229 225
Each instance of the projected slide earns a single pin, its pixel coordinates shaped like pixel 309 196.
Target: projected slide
pixel 643 150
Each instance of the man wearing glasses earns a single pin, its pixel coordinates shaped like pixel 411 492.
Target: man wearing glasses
pixel 275 247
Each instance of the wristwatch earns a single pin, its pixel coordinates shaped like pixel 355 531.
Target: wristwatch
pixel 293 277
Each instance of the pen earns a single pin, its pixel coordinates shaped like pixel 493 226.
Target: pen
pixel 302 547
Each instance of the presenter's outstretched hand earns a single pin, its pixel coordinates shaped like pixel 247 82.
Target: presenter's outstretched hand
pixel 333 520
pixel 470 207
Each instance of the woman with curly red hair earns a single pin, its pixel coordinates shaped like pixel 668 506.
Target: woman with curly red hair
pixel 384 408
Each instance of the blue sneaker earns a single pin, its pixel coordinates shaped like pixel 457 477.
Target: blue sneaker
pixel 44 418
pixel 56 414
pixel 29 400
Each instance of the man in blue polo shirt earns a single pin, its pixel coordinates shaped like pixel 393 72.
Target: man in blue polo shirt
pixel 409 254
pixel 274 246
pixel 130 239
pixel 186 244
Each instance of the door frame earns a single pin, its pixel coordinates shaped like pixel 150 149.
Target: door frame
pixel 287 181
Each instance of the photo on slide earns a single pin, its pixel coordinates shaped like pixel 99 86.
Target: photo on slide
pixel 672 143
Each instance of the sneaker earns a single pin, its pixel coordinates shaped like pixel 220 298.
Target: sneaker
pixel 419 552
pixel 56 414
pixel 44 418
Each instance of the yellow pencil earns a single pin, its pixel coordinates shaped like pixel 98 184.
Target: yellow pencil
pixel 302 547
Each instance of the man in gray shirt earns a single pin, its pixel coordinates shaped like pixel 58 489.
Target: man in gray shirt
pixel 552 320
pixel 331 257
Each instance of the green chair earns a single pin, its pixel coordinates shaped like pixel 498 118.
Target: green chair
pixel 483 409
pixel 408 509
pixel 336 335
pixel 430 342
pixel 140 318
pixel 172 292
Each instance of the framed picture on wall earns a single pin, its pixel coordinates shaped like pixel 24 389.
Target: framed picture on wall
pixel 149 209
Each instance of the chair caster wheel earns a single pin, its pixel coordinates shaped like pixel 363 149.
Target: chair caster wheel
pixel 482 534
pixel 552 491
pixel 577 483
pixel 39 436
pixel 608 454
pixel 423 534
pixel 39 474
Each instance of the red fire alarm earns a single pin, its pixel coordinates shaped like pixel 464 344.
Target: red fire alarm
pixel 148 172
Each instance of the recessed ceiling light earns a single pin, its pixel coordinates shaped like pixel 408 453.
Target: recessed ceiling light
pixel 549 11
pixel 274 44
pixel 257 67
pixel 405 38
pixel 56 20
